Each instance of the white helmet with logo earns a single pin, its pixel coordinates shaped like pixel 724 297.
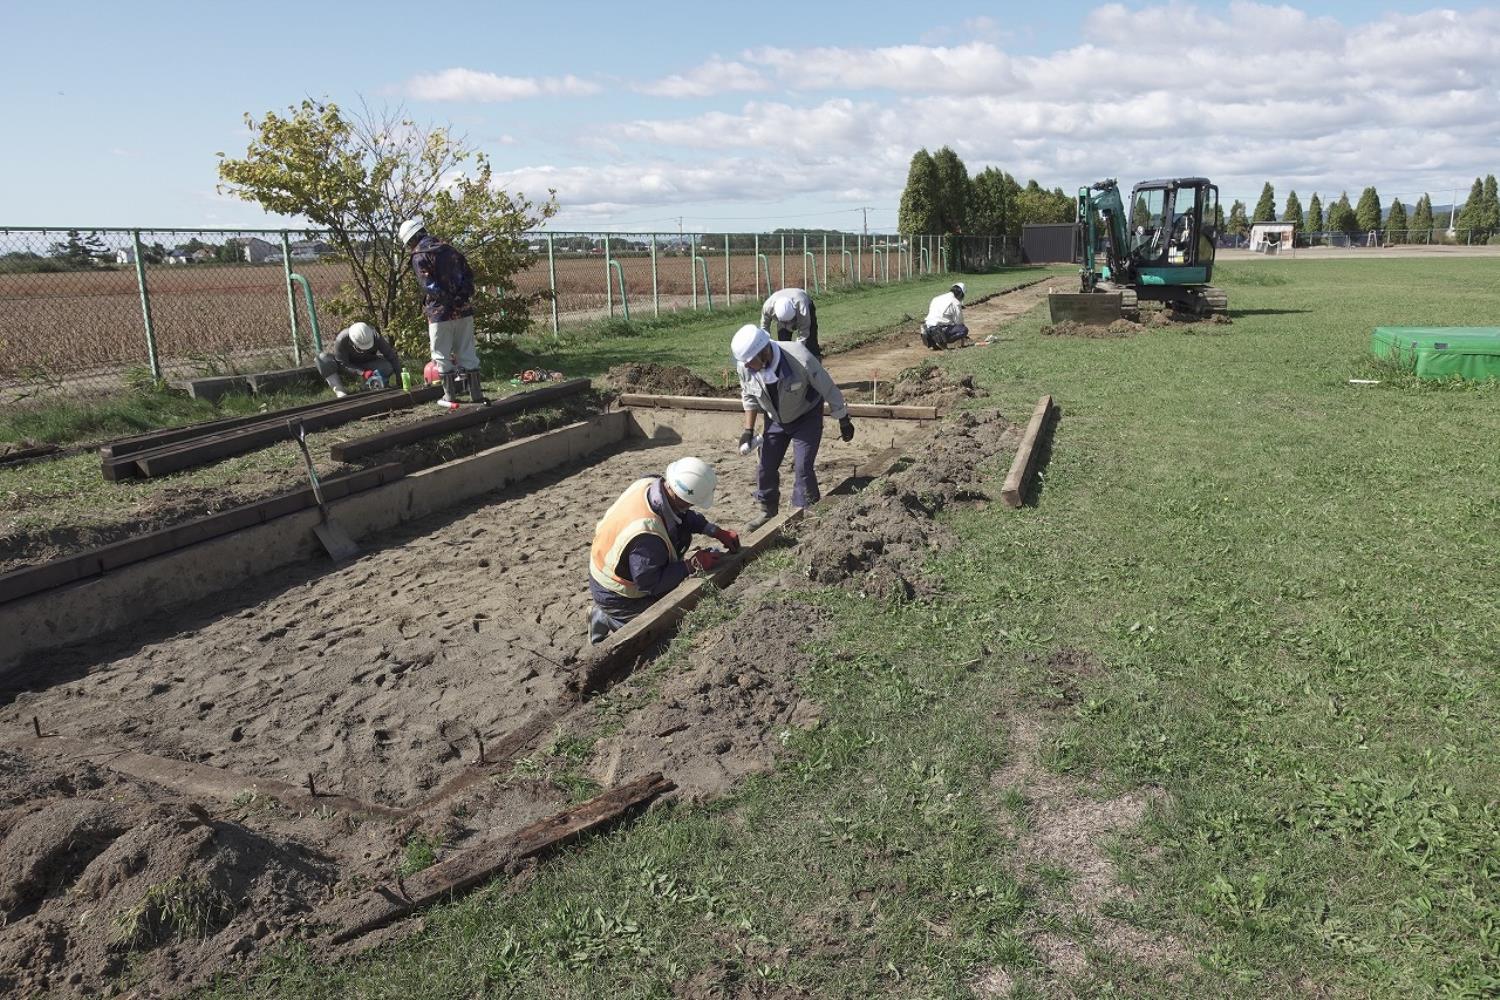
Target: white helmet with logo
pixel 362 335
pixel 786 309
pixel 958 290
pixel 410 228
pixel 692 480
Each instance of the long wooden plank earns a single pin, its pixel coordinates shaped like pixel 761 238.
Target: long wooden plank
pixel 447 423
pixel 198 779
pixel 1013 494
pixel 172 435
pixel 734 406
pixel 174 458
pixel 464 871
pixel 34 579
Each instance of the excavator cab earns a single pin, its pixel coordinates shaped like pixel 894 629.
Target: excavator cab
pixel 1160 248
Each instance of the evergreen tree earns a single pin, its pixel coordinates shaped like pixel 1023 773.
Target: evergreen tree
pixel 1265 209
pixel 1341 217
pixel 1421 219
pixel 1218 217
pixel 1238 224
pixel 1472 215
pixel 1395 223
pixel 953 191
pixel 1293 211
pixel 990 206
pixel 1491 206
pixel 919 214
pixel 1315 214
pixel 79 251
pixel 1368 211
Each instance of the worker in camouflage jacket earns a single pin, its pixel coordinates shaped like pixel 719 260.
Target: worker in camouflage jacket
pixel 447 292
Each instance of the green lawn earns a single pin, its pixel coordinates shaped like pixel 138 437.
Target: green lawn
pixel 1289 584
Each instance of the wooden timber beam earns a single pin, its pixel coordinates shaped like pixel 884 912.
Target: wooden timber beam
pixel 734 406
pixel 1013 494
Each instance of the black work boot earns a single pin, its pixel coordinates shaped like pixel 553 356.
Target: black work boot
pixel 450 387
pixel 476 390
pixel 767 511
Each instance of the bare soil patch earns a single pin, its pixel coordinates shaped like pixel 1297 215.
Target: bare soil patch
pixel 931 385
pixel 880 539
pixel 661 380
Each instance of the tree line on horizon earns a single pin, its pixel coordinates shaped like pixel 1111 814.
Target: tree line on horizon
pixel 1479 214
pixel 940 198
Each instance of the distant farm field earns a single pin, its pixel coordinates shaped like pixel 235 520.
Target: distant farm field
pixel 91 321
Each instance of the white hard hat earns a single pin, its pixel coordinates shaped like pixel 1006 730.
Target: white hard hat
pixel 692 479
pixel 786 310
pixel 958 289
pixel 362 335
pixel 749 340
pixel 410 228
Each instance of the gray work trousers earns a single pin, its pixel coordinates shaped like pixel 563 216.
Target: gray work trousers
pixel 328 367
pixel 453 346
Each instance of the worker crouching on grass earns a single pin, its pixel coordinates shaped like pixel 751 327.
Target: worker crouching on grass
pixel 945 319
pixel 447 290
pixel 364 354
pixel 787 384
pixel 640 545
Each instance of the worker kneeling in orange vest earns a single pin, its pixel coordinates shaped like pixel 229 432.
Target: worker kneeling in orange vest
pixel 640 545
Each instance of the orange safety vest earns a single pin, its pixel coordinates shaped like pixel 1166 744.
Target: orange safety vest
pixel 627 519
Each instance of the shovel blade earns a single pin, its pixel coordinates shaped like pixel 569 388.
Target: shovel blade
pixel 336 541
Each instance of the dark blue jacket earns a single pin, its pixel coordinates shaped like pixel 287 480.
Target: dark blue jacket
pixel 648 563
pixel 447 283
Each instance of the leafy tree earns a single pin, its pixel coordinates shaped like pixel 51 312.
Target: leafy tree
pixel 920 214
pixel 1239 225
pixel 1035 204
pixel 1218 217
pixel 79 251
pixel 360 178
pixel 1293 210
pixel 1421 219
pixel 1341 217
pixel 1368 211
pixel 990 204
pixel 1265 209
pixel 1395 222
pixel 1315 214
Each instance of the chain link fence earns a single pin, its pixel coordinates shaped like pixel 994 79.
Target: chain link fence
pixel 99 310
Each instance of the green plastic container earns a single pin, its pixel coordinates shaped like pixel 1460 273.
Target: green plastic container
pixel 1472 352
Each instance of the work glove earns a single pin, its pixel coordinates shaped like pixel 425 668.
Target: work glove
pixel 704 560
pixel 846 429
pixel 731 539
pixel 747 441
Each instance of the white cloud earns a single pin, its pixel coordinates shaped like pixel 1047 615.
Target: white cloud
pixel 716 76
pixel 1242 94
pixel 459 84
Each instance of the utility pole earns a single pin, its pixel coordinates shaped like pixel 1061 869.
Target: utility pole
pixel 866 213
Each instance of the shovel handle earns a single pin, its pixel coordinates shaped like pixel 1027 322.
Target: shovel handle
pixel 299 434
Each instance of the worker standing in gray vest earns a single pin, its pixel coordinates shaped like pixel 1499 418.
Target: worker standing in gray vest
pixel 361 352
pixel 787 384
pixel 795 317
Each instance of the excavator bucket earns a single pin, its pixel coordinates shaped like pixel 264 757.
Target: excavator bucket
pixel 1086 308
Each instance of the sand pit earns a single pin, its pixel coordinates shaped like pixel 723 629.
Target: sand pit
pixel 373 677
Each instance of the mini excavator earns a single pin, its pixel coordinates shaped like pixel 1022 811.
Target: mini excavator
pixel 1161 250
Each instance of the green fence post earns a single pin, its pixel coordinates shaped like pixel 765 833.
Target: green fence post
pixel 655 292
pixel 140 280
pixel 624 295
pixel 693 272
pixel 609 293
pixel 291 294
pixel 846 260
pixel 728 287
pixel 783 263
pixel 859 258
pixel 312 311
pixel 552 282
pixel 825 262
pixel 708 291
pixel 757 267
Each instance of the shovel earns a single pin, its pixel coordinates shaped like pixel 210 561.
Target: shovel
pixel 336 541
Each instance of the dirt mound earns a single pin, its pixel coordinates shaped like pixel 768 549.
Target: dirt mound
pixel 723 715
pixel 95 878
pixel 1068 328
pixel 928 384
pixel 877 542
pixel 660 380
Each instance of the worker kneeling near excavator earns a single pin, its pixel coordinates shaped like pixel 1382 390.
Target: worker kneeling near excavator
pixel 945 319
pixel 640 545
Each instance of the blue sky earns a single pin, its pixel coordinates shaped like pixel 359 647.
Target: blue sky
pixel 748 116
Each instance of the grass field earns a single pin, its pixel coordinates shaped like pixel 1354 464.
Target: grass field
pixel 1285 586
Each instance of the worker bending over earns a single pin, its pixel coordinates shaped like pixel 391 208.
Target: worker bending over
pixel 361 352
pixel 945 319
pixel 787 384
pixel 795 316
pixel 640 545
